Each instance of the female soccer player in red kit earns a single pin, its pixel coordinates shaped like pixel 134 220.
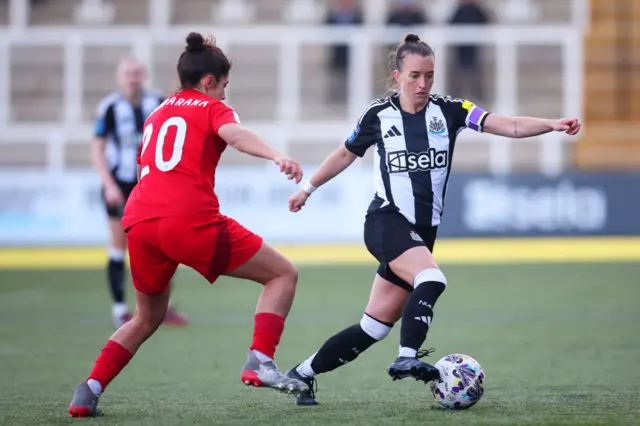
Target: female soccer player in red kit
pixel 172 217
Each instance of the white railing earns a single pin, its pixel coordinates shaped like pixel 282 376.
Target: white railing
pixel 290 39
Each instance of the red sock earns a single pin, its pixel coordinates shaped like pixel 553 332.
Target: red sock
pixel 266 333
pixel 112 359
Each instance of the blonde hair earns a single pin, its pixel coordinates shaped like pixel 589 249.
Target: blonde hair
pixel 126 61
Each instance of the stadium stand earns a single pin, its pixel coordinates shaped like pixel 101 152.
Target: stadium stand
pixel 612 88
pixel 37 72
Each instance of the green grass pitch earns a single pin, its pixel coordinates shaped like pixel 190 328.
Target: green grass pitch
pixel 560 344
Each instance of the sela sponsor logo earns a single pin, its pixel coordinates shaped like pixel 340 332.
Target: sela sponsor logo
pixel 403 161
pixel 495 206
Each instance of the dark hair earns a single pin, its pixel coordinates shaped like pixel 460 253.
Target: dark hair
pixel 411 45
pixel 200 58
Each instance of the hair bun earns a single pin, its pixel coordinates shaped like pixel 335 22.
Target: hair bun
pixel 195 42
pixel 412 38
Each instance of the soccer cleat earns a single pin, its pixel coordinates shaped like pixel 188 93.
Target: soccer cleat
pixel 268 375
pixel 172 317
pixel 404 367
pixel 307 397
pixel 84 403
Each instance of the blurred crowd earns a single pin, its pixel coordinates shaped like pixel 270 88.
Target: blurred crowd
pixel 465 66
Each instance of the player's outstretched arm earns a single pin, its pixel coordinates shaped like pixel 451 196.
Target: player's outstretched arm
pixel 524 127
pixel 331 167
pixel 246 141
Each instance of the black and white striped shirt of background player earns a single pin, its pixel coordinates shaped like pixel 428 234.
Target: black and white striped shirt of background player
pixel 120 123
pixel 413 152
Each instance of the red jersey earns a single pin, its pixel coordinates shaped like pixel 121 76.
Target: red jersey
pixel 178 157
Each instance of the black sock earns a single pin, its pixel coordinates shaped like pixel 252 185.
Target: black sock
pixel 115 274
pixel 418 311
pixel 345 346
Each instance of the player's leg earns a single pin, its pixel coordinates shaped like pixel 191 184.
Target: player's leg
pixel 383 310
pixel 279 278
pixel 173 317
pixel 118 351
pixel 221 246
pixel 151 270
pixel 417 266
pixel 116 263
pixel 116 273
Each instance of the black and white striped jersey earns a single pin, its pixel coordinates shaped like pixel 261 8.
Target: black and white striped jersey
pixel 413 152
pixel 120 123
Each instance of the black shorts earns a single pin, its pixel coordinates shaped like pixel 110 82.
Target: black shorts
pixel 115 212
pixel 388 234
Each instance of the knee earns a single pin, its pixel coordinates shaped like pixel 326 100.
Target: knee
pixel 433 275
pixel 376 329
pixel 289 275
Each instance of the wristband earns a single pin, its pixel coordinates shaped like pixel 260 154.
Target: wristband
pixel 308 188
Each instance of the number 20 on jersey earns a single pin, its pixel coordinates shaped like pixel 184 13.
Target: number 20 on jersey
pixel 178 145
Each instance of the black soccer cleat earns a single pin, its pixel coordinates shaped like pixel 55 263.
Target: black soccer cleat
pixel 307 397
pixel 404 367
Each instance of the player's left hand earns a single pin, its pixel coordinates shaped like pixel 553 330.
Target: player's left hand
pixel 290 167
pixel 298 200
pixel 570 126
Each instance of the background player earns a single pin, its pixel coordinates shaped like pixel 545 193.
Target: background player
pixel 119 122
pixel 173 217
pixel 414 133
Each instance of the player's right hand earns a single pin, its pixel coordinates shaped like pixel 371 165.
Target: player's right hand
pixel 113 196
pixel 289 167
pixel 570 126
pixel 297 200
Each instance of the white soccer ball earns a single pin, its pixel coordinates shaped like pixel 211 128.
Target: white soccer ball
pixel 461 382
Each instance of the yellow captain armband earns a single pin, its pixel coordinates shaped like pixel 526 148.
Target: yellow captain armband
pixel 467 105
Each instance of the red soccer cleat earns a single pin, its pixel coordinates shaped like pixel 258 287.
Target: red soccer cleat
pixel 172 317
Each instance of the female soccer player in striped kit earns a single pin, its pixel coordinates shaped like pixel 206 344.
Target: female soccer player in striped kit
pixel 414 133
pixel 118 134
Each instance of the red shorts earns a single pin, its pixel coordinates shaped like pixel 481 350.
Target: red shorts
pixel 212 247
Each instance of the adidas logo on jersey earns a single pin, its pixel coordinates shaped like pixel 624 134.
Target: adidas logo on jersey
pixel 393 131
pixel 403 161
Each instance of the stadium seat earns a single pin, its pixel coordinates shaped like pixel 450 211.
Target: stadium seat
pixel 94 12
pixel 519 11
pixel 303 11
pixel 234 11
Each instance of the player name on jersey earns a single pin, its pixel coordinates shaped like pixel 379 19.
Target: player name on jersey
pixel 173 100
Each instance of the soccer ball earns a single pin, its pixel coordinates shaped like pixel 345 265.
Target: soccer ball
pixel 461 382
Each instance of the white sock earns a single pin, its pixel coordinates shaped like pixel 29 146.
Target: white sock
pixel 262 357
pixel 305 369
pixel 116 254
pixel 95 386
pixel 119 309
pixel 407 352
